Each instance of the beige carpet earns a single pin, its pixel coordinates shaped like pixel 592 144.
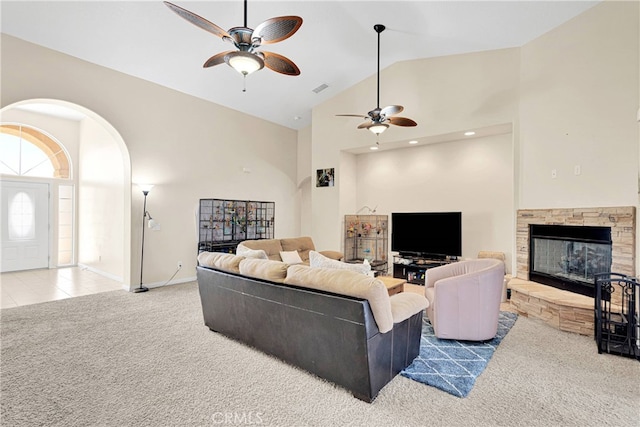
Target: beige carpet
pixel 123 359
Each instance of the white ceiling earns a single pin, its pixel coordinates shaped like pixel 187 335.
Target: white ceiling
pixel 336 44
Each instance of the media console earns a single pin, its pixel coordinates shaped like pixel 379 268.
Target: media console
pixel 413 269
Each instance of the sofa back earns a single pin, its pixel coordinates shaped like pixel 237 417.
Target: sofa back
pixel 332 336
pixel 272 247
pixel 345 282
pixel 301 244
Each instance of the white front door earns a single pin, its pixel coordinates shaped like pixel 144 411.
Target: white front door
pixel 25 226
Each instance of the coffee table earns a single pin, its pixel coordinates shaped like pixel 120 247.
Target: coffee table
pixel 394 286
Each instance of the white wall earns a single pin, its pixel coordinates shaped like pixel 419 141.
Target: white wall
pixel 304 180
pixel 472 176
pixel 101 214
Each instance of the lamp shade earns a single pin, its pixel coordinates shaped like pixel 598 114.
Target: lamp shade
pixel 145 188
pixel 378 128
pixel 244 62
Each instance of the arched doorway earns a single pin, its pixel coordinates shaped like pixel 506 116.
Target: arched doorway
pixel 102 185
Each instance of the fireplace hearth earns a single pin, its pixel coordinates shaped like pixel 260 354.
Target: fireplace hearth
pixel 569 257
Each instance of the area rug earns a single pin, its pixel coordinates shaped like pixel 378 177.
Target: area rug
pixel 451 365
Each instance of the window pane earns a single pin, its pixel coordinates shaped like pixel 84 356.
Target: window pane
pixel 9 154
pixel 21 217
pixel 65 224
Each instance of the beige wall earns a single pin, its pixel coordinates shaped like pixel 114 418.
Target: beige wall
pixel 187 147
pixel 443 95
pixel 471 176
pixel 571 96
pixel 578 104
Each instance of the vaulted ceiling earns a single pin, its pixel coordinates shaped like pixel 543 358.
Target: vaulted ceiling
pixel 336 45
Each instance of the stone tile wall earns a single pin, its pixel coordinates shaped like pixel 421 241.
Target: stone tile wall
pixel 622 221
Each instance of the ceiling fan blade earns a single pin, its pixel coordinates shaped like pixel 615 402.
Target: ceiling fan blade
pixel 275 30
pixel 365 125
pixel 362 116
pixel 280 64
pixel 401 121
pixel 197 20
pixel 216 59
pixel 391 110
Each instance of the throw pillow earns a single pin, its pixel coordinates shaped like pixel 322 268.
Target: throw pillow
pixel 251 253
pixel 317 260
pixel 290 257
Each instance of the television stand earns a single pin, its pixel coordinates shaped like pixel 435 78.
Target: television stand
pixel 413 269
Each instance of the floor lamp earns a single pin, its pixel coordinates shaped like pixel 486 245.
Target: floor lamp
pixel 145 190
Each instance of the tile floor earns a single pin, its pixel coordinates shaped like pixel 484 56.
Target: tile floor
pixel 36 286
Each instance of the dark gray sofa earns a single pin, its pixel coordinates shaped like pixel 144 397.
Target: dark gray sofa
pixel 332 336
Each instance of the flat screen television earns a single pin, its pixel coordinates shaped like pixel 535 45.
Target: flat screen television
pixel 427 234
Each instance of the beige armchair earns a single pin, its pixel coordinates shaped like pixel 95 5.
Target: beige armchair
pixel 464 299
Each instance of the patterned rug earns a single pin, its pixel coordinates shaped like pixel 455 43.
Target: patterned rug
pixel 451 365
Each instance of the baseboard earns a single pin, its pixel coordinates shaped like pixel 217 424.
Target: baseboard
pixel 168 283
pixel 101 273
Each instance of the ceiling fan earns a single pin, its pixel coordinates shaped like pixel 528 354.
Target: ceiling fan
pixel 379 119
pixel 247 59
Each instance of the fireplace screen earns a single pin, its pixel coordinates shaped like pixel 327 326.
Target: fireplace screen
pixel 575 261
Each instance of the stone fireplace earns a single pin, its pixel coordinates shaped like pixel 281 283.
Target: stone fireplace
pixel 564 308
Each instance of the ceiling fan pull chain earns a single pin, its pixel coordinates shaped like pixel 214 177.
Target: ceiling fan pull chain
pixel 244 83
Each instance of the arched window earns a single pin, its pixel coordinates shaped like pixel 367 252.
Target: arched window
pixel 26 151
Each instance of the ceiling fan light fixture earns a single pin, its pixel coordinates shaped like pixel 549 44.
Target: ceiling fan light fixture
pixel 378 128
pixel 244 62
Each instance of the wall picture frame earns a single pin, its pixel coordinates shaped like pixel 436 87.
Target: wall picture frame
pixel 325 177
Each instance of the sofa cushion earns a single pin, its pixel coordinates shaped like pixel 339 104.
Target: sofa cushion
pixel 301 244
pixel 220 260
pixel 317 260
pixel 265 269
pixel 251 253
pixel 406 304
pixel 290 257
pixel 346 282
pixel 272 247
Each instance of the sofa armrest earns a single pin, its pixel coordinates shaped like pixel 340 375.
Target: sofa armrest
pixel 406 304
pixel 332 254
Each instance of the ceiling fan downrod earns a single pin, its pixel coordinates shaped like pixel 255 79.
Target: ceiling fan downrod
pixel 379 28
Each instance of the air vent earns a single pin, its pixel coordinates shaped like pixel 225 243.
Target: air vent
pixel 320 88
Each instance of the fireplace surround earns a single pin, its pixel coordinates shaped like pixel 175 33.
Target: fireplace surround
pixel 562 309
pixel 621 220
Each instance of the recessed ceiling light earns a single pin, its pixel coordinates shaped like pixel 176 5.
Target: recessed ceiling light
pixel 374 147
pixel 413 142
pixel 296 117
pixel 469 133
